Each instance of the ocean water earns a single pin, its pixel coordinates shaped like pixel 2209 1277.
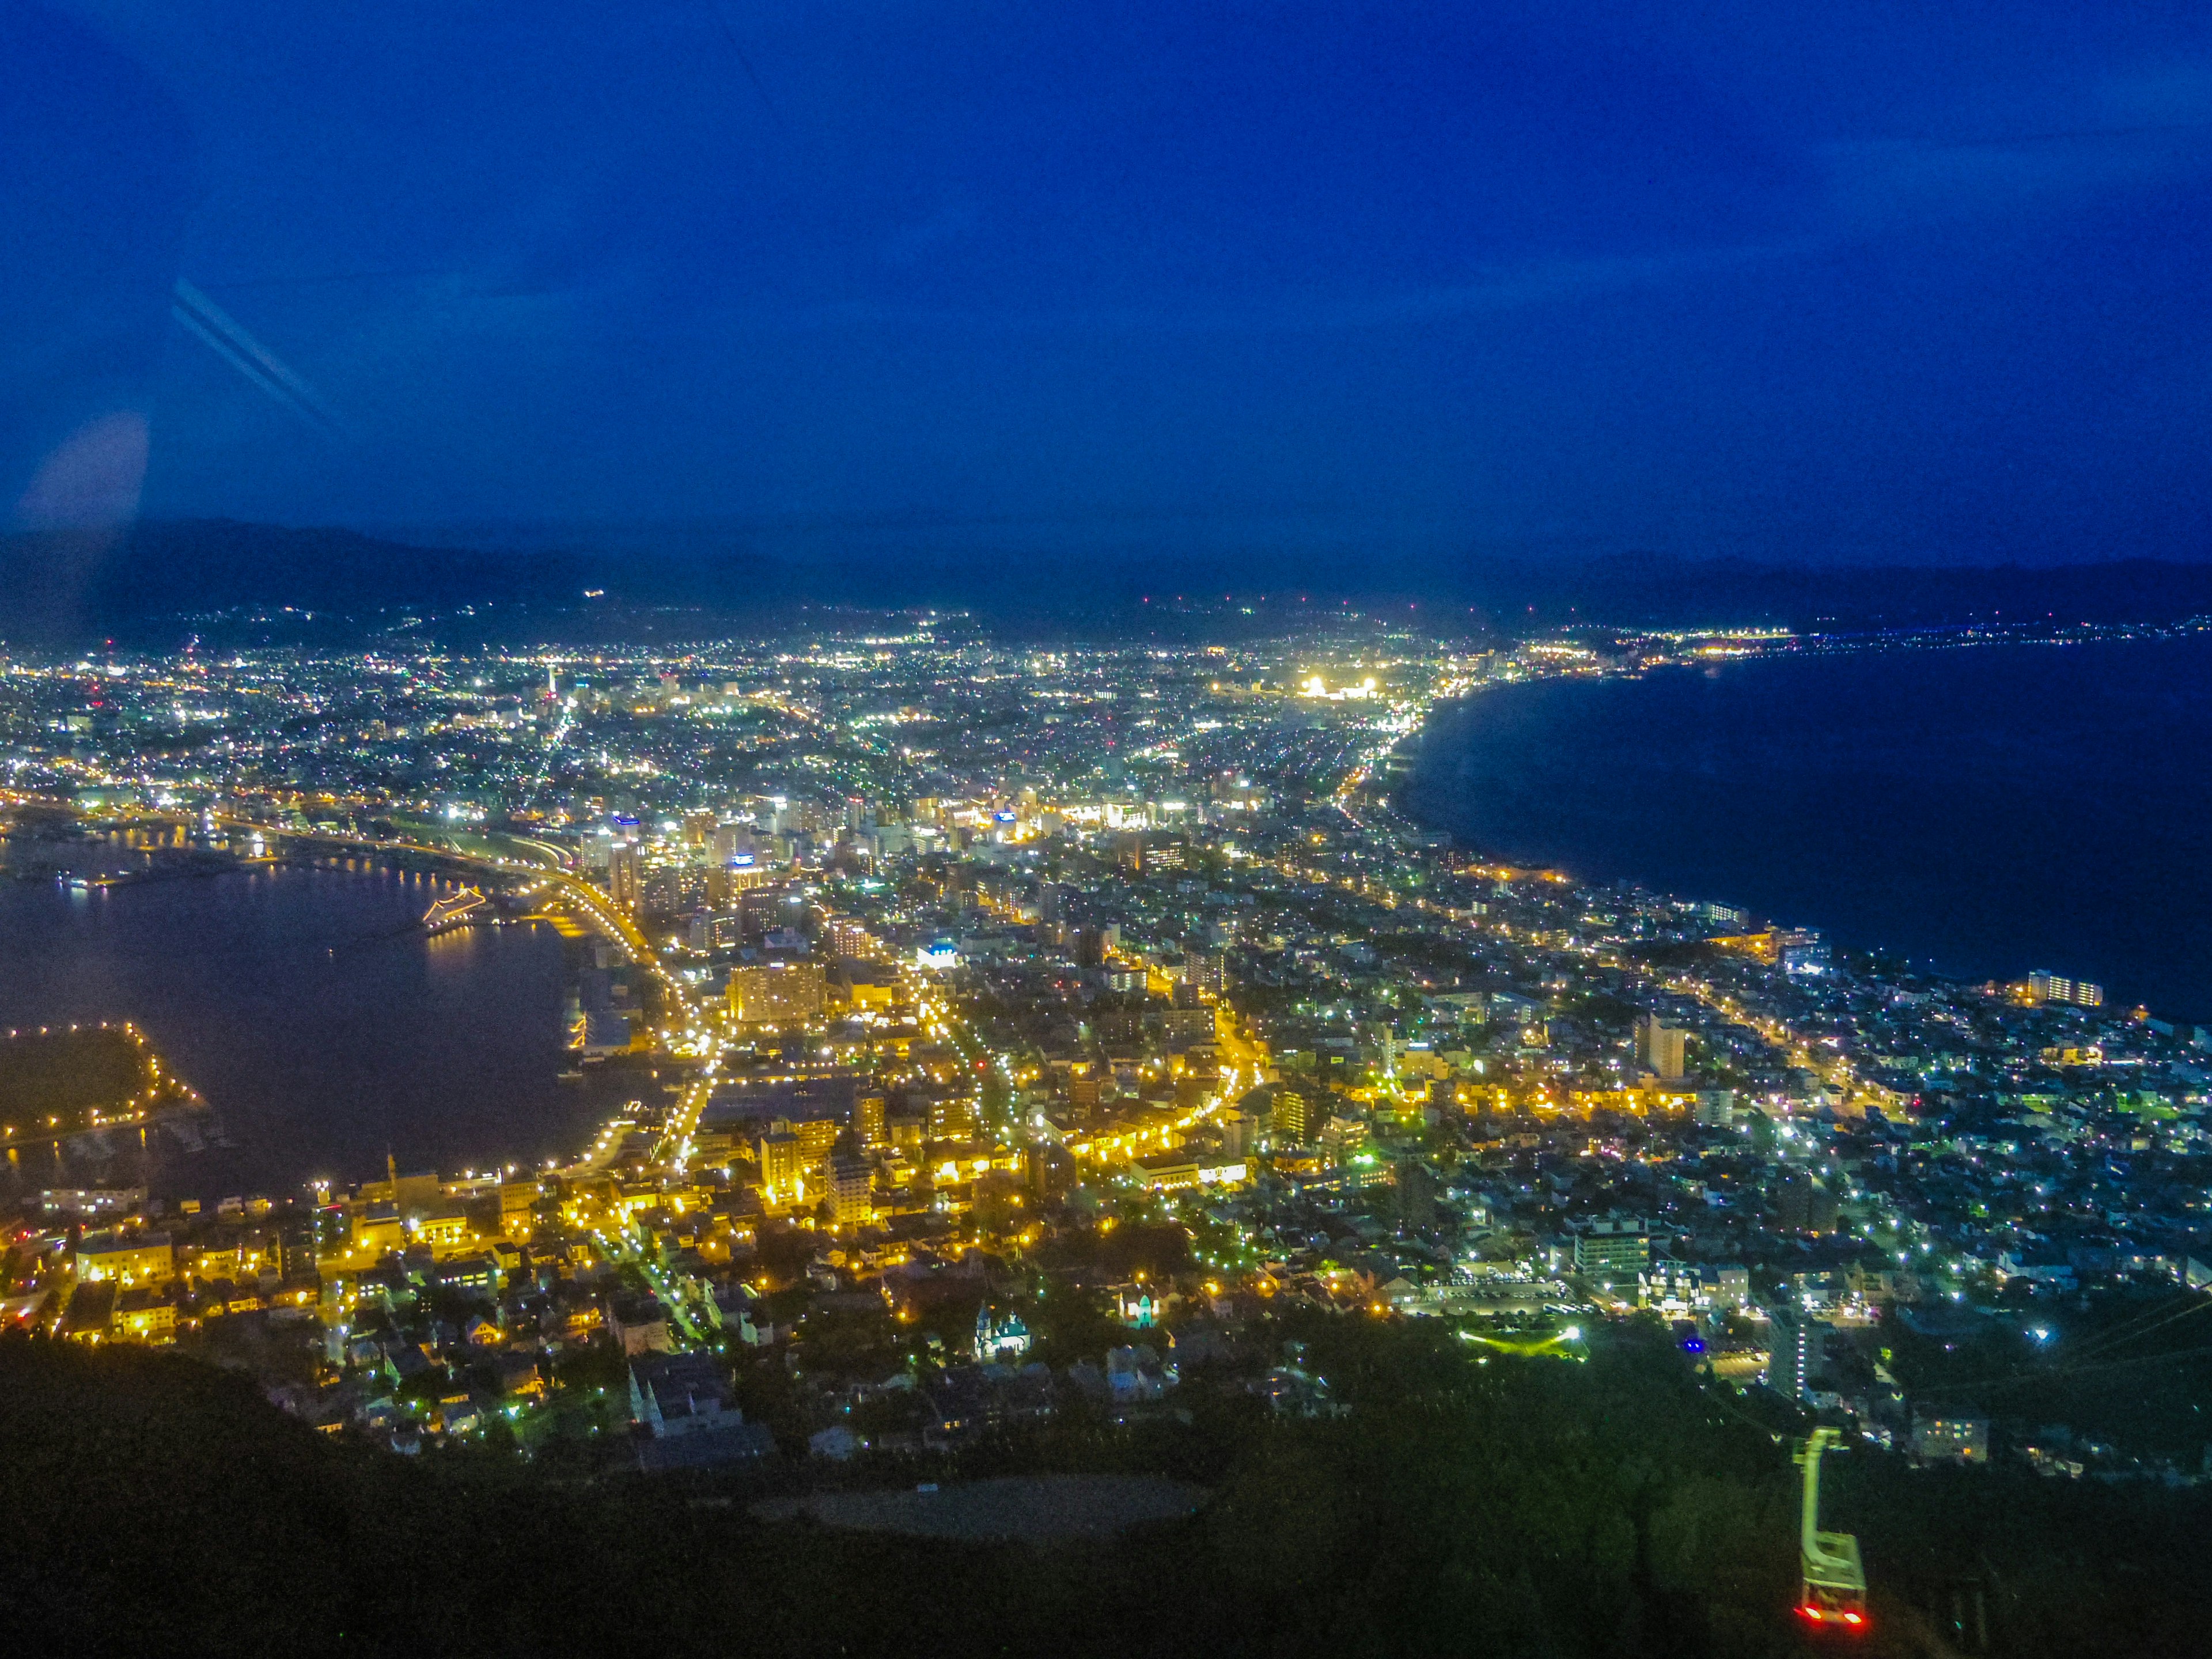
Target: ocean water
pixel 320 1028
pixel 1984 810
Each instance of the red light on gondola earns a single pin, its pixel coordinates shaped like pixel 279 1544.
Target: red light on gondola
pixel 1813 1613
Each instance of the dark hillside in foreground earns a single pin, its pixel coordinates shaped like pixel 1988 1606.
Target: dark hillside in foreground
pixel 155 1505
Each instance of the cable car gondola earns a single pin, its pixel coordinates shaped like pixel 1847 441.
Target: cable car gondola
pixel 1833 1597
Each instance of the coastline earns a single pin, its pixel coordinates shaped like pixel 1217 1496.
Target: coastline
pixel 1545 777
pixel 320 1035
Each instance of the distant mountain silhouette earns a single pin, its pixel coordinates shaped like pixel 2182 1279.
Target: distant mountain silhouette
pixel 149 584
pixel 69 583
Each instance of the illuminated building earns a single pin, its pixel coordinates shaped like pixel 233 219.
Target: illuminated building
pixel 604 1031
pixel 783 1168
pixel 1169 1171
pixel 142 1316
pixel 777 993
pixel 845 937
pixel 446 1228
pixel 2044 986
pixel 1613 1250
pixel 1206 970
pixel 1182 1027
pixel 955 1117
pixel 868 1120
pixel 999 1336
pixel 1794 1354
pixel 818 1136
pixel 1136 1305
pixel 1293 1118
pixel 1083 1088
pixel 712 932
pixel 1661 1047
pixel 742 872
pixel 852 1200
pixel 1965 1439
pixel 1670 1287
pixel 127 1259
pixel 1343 1140
pixel 622 883
pixel 377 1228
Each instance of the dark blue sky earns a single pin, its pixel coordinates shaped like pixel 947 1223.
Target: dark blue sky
pixel 1906 283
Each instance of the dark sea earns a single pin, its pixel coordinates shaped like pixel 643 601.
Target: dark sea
pixel 318 1025
pixel 1984 811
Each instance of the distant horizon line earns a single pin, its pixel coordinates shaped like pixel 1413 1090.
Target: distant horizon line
pixel 490 535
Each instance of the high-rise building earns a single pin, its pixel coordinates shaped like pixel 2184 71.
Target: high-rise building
pixel 1794 1355
pixel 766 909
pixel 1418 1191
pixel 1804 1204
pixel 1661 1047
pixel 777 993
pixel 783 1168
pixel 1614 1251
pixel 1294 1118
pixel 623 886
pixel 956 1117
pixel 1083 1093
pixel 852 1198
pixel 1206 971
pixel 744 874
pixel 868 1120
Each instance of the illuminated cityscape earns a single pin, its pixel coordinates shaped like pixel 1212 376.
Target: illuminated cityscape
pixel 930 955
pixel 1273 832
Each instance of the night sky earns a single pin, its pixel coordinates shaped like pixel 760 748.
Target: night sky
pixel 1867 282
